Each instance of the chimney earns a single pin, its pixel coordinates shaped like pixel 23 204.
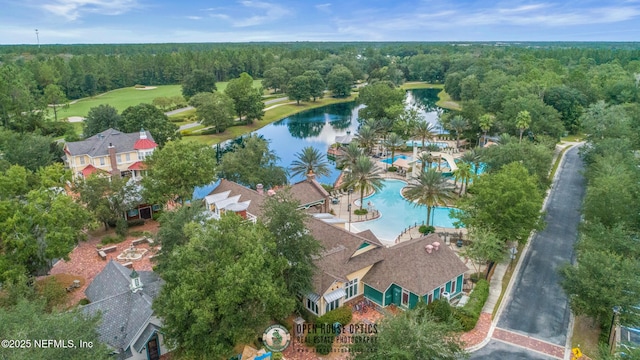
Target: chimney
pixel 311 176
pixel 429 248
pixel 260 189
pixel 143 134
pixel 436 245
pixel 112 159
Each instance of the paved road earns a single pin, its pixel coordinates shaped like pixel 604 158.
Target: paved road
pixel 537 308
pixel 498 350
pixel 178 111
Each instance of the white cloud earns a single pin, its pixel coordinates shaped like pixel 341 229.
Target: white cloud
pixel 522 8
pixel 74 9
pixel 194 17
pixel 326 8
pixel 265 12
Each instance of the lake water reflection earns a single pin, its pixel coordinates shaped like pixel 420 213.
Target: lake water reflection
pixel 319 127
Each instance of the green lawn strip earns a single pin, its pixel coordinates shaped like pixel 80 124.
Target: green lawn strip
pixel 193 130
pixel 420 85
pixel 557 162
pixel 585 336
pixel 182 115
pixel 275 114
pixel 445 101
pixel 573 138
pixel 120 99
pixel 506 278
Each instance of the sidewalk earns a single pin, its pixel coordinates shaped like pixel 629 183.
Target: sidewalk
pixel 479 336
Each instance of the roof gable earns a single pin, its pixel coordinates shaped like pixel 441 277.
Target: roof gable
pixel 411 267
pixel 308 192
pixel 98 144
pixel 124 313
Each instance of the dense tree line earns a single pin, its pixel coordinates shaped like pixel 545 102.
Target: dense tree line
pixel 608 259
pixel 553 82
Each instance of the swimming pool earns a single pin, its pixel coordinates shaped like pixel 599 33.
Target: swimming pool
pixel 397 213
pixel 418 143
pixel 400 156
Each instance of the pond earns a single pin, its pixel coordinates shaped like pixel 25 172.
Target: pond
pixel 319 127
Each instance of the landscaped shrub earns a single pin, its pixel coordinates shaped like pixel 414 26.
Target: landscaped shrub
pixel 468 315
pixel 392 169
pixel 424 229
pixel 112 239
pixel 155 216
pixel 360 211
pixel 133 223
pixel 121 227
pixel 84 301
pixel 440 309
pixel 341 315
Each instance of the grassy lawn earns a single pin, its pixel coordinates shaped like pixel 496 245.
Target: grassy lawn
pixel 585 336
pixel 130 96
pixel 573 138
pixel 120 99
pixel 410 85
pixel 445 101
pixel 270 116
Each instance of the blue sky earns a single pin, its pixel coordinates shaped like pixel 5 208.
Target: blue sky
pixel 143 21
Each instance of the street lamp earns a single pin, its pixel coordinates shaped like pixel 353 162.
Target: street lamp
pixel 349 192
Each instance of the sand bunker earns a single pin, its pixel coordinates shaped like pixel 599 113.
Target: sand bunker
pixel 74 119
pixel 147 88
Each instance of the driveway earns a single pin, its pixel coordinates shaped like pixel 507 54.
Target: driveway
pixel 536 313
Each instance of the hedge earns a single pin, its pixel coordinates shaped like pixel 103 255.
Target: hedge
pixel 468 315
pixel 342 315
pixel 323 340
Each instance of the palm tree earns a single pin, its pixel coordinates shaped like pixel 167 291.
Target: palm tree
pixel 486 121
pixel 472 157
pixel 367 138
pixel 458 124
pixel 464 174
pixel 381 127
pixel 523 121
pixel 504 139
pixel 394 141
pixel 424 130
pixel 431 189
pixel 364 176
pixel 426 159
pixel 350 154
pixel 310 160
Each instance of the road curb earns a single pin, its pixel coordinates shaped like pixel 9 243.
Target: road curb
pixel 516 271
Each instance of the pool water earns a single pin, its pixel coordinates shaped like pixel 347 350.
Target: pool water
pixel 397 213
pixel 418 143
pixel 401 156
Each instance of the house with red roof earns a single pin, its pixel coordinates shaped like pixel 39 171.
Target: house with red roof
pixel 110 152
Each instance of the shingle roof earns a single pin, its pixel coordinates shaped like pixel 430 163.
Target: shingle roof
pixel 336 261
pixel 308 192
pixel 255 207
pixel 98 144
pixel 124 313
pixel 411 267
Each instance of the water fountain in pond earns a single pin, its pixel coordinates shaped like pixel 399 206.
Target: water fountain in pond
pixel 132 253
